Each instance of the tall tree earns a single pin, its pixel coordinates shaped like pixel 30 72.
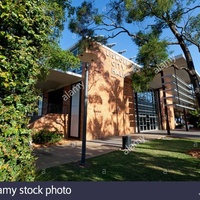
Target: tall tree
pixel 82 23
pixel 180 17
pixel 28 32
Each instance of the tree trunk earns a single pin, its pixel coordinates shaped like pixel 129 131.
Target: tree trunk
pixel 190 65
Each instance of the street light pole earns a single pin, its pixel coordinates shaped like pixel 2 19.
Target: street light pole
pixel 85 115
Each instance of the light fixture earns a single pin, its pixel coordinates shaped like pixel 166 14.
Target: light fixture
pixel 111 45
pixel 123 51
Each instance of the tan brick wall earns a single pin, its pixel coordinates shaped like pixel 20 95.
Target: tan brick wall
pixel 51 122
pixel 129 119
pixel 171 115
pixel 110 104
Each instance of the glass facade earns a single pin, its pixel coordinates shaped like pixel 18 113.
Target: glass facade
pixel 78 70
pixel 146 111
pixel 55 101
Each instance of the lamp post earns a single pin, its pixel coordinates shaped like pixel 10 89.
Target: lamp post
pixel 85 115
pixel 86 58
pixel 137 112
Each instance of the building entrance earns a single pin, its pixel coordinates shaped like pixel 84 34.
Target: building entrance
pixel 146 111
pixel 147 122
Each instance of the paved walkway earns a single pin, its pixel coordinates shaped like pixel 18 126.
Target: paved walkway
pixel 71 150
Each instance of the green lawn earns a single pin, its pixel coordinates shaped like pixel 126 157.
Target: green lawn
pixel 158 160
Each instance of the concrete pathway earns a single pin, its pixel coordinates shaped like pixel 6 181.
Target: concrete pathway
pixel 71 150
pixel 55 155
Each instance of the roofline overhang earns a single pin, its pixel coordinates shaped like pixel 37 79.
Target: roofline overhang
pixel 57 79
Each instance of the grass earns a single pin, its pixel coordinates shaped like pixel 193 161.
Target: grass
pixel 157 160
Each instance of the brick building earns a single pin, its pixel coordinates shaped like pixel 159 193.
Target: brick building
pixel 113 106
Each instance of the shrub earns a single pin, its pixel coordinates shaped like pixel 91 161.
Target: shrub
pixel 45 136
pixel 16 160
pixel 29 33
pixel 194 118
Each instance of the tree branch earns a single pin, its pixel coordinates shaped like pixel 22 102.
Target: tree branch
pixel 114 35
pixel 187 36
pixel 173 43
pixel 190 9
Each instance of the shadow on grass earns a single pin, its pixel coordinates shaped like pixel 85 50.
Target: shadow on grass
pixel 166 161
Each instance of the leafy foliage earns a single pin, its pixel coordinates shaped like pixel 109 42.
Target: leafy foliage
pixel 45 136
pixel 58 58
pixel 192 31
pixel 152 18
pixel 141 79
pixel 81 23
pixel 27 30
pixel 84 17
pixel 194 118
pixel 148 58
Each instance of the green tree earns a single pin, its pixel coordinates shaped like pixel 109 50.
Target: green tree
pixel 28 32
pixel 155 16
pixel 82 23
pixel 194 118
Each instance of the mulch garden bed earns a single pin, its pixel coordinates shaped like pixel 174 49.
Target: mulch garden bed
pixel 194 153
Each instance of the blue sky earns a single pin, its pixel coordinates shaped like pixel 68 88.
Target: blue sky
pixel 123 41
